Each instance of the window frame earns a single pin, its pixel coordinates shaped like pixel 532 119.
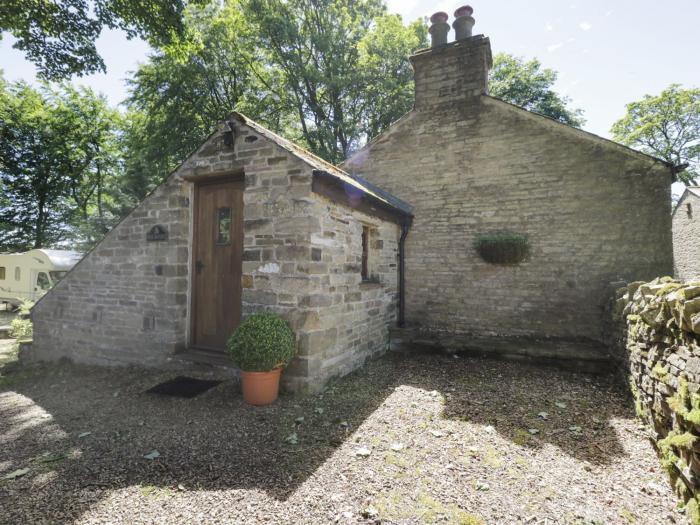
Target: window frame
pixel 364 271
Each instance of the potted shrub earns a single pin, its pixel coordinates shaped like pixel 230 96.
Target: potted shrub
pixel 261 346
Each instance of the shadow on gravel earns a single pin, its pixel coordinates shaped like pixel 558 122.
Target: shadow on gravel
pixel 83 431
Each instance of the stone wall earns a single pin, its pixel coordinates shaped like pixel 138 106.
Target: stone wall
pixel 686 236
pixel 127 301
pixel 658 344
pixel 594 212
pixel 353 317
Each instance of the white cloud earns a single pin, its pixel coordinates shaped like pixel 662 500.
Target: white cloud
pixel 554 47
pixel 549 27
pixel 570 39
pixel 585 26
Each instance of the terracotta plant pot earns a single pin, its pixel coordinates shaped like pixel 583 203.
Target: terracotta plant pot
pixel 260 388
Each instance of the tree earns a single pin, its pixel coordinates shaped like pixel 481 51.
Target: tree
pixel 174 102
pixel 327 88
pixel 666 126
pixel 57 165
pixel 95 163
pixel 59 36
pixel 328 52
pixel 527 85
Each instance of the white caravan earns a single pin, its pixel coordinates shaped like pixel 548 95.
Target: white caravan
pixel 27 276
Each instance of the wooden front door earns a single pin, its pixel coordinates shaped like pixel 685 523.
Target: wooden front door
pixel 217 263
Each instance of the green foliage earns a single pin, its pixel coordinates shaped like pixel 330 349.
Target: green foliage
pixel 175 101
pixel 527 85
pixel 333 56
pixel 693 511
pixel 59 166
pixel 21 328
pixel 666 126
pixel 328 76
pixel 502 248
pixel 262 343
pixel 59 37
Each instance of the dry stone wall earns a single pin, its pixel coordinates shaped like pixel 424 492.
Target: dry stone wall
pixel 659 347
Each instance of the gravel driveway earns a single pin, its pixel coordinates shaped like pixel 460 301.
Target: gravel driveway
pixel 408 439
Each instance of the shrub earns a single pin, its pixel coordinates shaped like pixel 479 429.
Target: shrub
pixel 263 342
pixel 502 248
pixel 22 328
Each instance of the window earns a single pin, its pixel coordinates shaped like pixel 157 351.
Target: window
pixel 223 228
pixel 365 253
pixel 57 276
pixel 18 273
pixel 42 281
pixel 2 273
pixel 689 210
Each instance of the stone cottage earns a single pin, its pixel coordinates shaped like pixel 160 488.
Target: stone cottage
pixel 252 222
pixel 249 222
pixel 592 211
pixel 686 235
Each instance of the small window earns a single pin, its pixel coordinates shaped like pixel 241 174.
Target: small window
pixel 18 273
pixel 42 281
pixel 365 253
pixel 2 273
pixel 689 210
pixel 223 229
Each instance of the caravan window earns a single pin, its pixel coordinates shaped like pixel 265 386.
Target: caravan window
pixel 57 276
pixel 2 273
pixel 42 281
pixel 18 273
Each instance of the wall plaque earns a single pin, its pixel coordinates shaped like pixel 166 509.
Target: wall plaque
pixel 157 233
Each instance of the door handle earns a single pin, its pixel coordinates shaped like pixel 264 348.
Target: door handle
pixel 198 266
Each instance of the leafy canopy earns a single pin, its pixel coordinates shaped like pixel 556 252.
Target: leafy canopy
pixel 526 84
pixel 59 165
pixel 59 36
pixel 666 126
pixel 325 74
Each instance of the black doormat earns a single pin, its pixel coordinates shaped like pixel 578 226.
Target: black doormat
pixel 183 386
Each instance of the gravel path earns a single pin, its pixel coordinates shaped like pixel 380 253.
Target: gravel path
pixel 408 439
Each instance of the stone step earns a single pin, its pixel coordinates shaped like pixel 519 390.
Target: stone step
pixel 583 355
pixel 201 356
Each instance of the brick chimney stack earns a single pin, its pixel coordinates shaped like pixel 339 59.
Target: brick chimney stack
pixel 449 74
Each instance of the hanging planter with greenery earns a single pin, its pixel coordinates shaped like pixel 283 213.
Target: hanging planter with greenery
pixel 502 248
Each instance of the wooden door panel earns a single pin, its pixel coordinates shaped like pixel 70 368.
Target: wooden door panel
pixel 217 263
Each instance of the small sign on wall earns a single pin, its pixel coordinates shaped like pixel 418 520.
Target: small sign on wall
pixel 157 233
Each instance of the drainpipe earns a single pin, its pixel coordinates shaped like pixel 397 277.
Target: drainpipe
pixel 405 225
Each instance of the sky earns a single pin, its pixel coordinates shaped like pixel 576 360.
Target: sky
pixel 607 53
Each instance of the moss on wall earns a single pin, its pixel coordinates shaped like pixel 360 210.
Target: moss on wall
pixel 658 342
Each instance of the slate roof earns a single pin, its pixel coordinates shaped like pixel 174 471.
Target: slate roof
pixel 326 168
pixel 695 190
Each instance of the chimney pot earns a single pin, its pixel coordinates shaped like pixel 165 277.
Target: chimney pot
pixel 465 10
pixel 438 17
pixel 438 31
pixel 463 23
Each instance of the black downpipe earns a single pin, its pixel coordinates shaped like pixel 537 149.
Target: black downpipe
pixel 402 272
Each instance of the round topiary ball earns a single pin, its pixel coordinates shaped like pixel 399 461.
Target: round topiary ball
pixel 262 343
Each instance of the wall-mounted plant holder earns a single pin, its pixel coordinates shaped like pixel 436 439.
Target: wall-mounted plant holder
pixel 502 248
